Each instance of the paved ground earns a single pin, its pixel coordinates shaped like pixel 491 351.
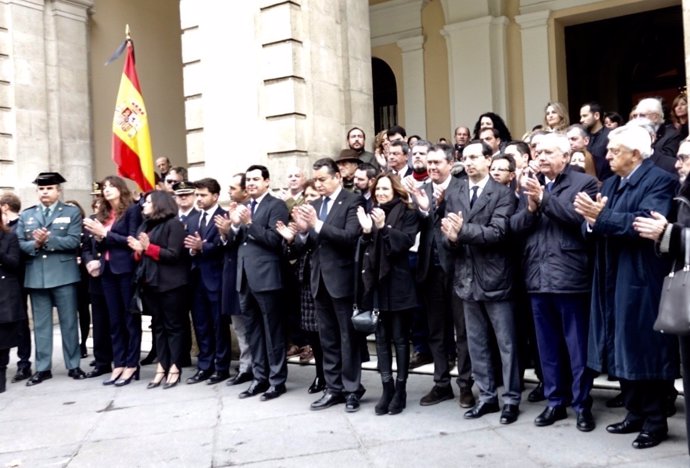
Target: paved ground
pixel 62 423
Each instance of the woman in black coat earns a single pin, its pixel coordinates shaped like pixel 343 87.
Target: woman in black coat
pixel 118 217
pixel 161 278
pixel 388 232
pixel 671 241
pixel 11 311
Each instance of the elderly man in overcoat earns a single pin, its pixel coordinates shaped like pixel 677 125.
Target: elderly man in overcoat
pixel 628 276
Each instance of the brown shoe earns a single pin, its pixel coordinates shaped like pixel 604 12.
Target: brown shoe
pixel 306 355
pixel 293 350
pixel 466 397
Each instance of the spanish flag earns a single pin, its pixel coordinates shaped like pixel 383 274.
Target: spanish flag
pixel 131 139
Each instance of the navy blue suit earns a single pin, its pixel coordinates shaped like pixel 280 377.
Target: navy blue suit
pixel 117 275
pixel 211 326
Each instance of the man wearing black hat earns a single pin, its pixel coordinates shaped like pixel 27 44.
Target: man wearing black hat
pixel 348 161
pixel 49 234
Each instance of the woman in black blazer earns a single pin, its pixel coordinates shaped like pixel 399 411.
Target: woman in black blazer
pixel 162 276
pixel 117 218
pixel 388 233
pixel 11 312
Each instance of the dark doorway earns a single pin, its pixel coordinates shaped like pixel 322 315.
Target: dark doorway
pixel 385 95
pixel 620 60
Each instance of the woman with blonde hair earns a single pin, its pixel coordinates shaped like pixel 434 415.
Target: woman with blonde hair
pixel 555 117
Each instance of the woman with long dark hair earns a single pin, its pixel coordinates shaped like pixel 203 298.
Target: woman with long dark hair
pixel 117 218
pixel 492 120
pixel 162 276
pixel 388 232
pixel 11 312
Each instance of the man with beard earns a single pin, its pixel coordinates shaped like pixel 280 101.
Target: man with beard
pixel 364 180
pixel 356 140
pixel 591 118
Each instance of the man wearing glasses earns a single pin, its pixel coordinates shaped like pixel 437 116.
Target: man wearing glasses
pixel 667 139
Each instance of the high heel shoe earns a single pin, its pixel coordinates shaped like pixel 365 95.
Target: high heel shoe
pixel 156 383
pixel 121 382
pixel 114 378
pixel 172 384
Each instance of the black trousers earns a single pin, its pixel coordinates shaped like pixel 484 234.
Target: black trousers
pixel 685 361
pixel 393 331
pixel 168 310
pixel 314 341
pixel 102 343
pixel 24 347
pixel 645 401
pixel 341 343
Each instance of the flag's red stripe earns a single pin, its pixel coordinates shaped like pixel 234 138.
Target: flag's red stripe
pixel 130 70
pixel 128 164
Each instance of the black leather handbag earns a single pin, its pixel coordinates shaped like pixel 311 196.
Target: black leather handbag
pixel 674 307
pixel 364 321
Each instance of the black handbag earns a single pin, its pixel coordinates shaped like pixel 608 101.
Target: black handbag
pixel 364 321
pixel 674 307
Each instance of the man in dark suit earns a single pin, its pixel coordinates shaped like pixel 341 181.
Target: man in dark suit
pixel 476 223
pixel 558 279
pixel 259 282
pixel 628 278
pixel 49 234
pixel 330 228
pixel 230 298
pixel 435 277
pixel 210 324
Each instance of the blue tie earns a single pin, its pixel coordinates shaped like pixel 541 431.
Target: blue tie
pixel 323 213
pixel 252 207
pixel 549 186
pixel 474 195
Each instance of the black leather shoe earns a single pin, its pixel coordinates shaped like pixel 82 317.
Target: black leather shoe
pixel 218 377
pixel 625 427
pixel 466 399
pixel 200 376
pixel 76 374
pixel 98 371
pixel 240 378
pixel 585 420
pixel 360 391
pixel 536 395
pixel 22 374
pixel 273 392
pixel 254 389
pixel 420 359
pixel 615 402
pixel 39 377
pixel 436 395
pixel 327 400
pixel 317 386
pixel 509 414
pixel 649 439
pixel 480 409
pixel 550 415
pixel 352 403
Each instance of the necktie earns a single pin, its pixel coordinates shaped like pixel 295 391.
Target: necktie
pixel 474 195
pixel 202 225
pixel 549 186
pixel 46 213
pixel 621 184
pixel 183 219
pixel 252 207
pixel 323 212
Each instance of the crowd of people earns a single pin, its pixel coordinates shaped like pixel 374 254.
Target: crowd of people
pixel 491 254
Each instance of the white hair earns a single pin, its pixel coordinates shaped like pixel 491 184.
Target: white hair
pixel 556 140
pixel 633 137
pixel 651 105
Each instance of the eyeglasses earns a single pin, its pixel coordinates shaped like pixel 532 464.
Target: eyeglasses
pixel 170 181
pixel 500 169
pixel 683 157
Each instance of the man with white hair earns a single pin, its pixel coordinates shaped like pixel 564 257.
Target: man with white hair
pixel 558 278
pixel 667 140
pixel 658 158
pixel 626 288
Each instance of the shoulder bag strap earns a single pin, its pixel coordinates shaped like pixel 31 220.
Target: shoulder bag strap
pixel 686 239
pixel 357 268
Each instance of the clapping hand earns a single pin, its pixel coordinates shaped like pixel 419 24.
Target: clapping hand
pixel 288 232
pixel 588 208
pixel 194 242
pixel 378 216
pixel 135 244
pixel 364 220
pixel 651 228
pixel 451 226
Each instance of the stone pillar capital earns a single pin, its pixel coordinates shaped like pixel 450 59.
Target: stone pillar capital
pixel 533 20
pixel 411 44
pixel 73 9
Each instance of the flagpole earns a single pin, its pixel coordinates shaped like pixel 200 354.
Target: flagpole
pixel 127 36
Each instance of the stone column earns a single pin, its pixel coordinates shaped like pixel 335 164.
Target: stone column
pixel 280 87
pixel 45 117
pixel 413 84
pixel 535 64
pixel 477 68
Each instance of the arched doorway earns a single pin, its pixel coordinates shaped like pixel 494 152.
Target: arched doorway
pixel 385 95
